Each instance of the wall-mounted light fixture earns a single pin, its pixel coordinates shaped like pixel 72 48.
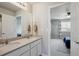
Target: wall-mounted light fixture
pixel 68 11
pixel 22 4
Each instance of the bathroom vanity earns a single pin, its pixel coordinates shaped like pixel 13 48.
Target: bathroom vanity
pixel 22 47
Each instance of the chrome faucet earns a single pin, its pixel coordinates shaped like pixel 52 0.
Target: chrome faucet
pixel 4 41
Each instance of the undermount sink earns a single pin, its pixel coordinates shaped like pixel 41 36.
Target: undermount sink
pixel 14 43
pixel 1 45
pixel 10 43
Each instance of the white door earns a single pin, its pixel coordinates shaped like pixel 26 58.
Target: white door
pixel 75 29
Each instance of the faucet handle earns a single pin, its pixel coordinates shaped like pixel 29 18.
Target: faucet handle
pixel 3 33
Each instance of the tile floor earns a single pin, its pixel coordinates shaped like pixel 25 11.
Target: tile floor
pixel 58 48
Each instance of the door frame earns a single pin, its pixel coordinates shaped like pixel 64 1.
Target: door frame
pixel 49 25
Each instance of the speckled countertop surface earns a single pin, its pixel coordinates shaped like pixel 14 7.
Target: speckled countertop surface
pixel 16 44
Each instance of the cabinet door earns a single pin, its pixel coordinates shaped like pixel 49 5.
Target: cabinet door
pixel 19 51
pixel 27 53
pixel 34 51
pixel 39 49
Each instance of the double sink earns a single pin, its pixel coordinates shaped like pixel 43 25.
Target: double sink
pixel 13 41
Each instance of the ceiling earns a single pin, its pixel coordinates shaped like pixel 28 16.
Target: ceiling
pixel 49 3
pixel 60 12
pixel 32 3
pixel 9 6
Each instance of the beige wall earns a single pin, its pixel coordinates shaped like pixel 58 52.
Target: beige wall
pixel 26 19
pixel 40 17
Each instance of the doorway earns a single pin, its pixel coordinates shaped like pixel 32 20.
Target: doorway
pixel 60 20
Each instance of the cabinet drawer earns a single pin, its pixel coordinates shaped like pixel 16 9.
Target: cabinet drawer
pixel 35 43
pixel 34 51
pixel 39 49
pixel 19 51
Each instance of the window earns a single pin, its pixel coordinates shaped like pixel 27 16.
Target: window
pixel 65 26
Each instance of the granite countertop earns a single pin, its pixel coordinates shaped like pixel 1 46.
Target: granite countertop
pixel 16 44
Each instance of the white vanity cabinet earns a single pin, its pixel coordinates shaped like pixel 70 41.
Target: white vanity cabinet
pixel 36 48
pixel 34 51
pixel 30 49
pixel 27 53
pixel 19 51
pixel 39 48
